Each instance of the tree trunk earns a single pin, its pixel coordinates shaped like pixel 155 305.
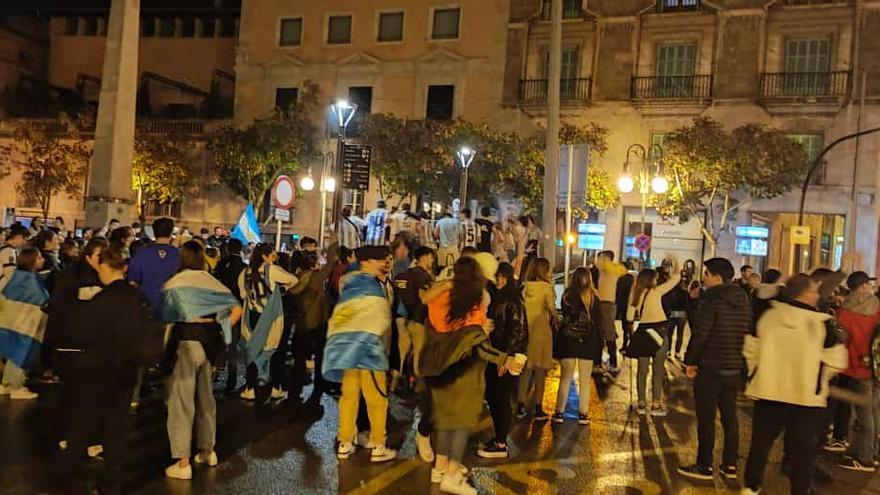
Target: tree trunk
pixel 712 245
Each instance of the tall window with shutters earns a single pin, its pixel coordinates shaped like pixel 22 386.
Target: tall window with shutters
pixel 569 70
pixel 807 66
pixel 813 144
pixel 675 70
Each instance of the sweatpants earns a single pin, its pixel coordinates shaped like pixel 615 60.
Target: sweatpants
pixel 374 389
pixel 452 443
pixel 13 376
pixel 657 364
pixel 585 381
pixel 191 400
pixel 713 392
pixel 525 381
pixel 800 424
pixel 499 394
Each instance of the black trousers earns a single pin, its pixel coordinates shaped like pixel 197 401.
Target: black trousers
pixel 232 354
pixel 627 331
pixel 676 332
pixel 839 412
pixel 716 392
pixel 305 345
pixel 800 424
pixel 500 391
pixel 426 412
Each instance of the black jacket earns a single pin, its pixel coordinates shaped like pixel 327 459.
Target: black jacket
pixel 722 321
pixel 507 310
pixel 580 334
pixel 68 308
pixel 227 272
pixel 621 296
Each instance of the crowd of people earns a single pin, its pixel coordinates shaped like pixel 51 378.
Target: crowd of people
pixel 446 311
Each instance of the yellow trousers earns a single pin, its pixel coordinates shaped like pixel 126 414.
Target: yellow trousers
pixel 373 386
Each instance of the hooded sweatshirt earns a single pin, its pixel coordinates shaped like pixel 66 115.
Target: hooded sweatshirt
pixel 791 359
pixel 859 316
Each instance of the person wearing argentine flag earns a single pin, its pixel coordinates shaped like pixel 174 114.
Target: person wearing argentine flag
pixel 202 311
pixel 356 353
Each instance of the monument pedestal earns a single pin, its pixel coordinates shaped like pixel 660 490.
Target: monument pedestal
pixel 99 212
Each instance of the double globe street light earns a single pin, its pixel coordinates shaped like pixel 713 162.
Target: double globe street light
pixel 649 175
pixel 344 111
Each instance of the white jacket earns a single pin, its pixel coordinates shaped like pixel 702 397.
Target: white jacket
pixel 787 361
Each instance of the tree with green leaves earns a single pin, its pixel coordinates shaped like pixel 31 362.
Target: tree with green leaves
pixel 160 169
pixel 51 158
pixel 249 158
pixel 714 173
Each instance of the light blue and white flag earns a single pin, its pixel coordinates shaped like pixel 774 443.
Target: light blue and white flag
pixel 193 294
pixel 247 229
pixel 262 340
pixel 22 321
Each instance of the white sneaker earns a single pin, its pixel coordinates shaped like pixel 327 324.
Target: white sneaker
pixel 748 491
pixel 345 450
pixel 210 459
pixel 362 440
pixel 5 390
pixel 382 453
pixel 278 393
pixel 179 473
pixel 437 475
pixel 423 445
pixel 457 484
pixel 23 394
pixel 248 394
pixel 62 444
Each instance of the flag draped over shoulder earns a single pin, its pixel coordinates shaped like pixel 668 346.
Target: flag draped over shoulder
pixel 355 331
pixel 22 321
pixel 247 229
pixel 192 294
pixel 262 340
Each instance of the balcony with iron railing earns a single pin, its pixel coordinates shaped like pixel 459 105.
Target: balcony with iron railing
pixel 571 91
pixel 696 87
pixel 664 6
pixel 809 86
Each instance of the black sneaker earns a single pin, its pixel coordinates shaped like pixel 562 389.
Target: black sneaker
pixel 540 415
pixel 493 451
pixel 834 446
pixel 520 411
pixel 696 472
pixel 558 418
pixel 583 419
pixel 729 472
pixel 852 464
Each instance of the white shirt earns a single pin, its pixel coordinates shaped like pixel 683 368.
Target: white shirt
pixel 258 298
pixel 351 232
pixel 651 304
pixel 8 259
pixel 450 230
pixel 396 224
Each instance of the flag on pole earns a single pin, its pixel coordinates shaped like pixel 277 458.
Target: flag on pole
pixel 247 230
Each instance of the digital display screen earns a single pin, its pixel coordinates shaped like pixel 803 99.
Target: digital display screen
pixel 591 236
pixel 753 232
pixel 751 240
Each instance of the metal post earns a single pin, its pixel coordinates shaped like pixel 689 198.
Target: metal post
pixel 854 198
pixel 278 236
pixel 551 154
pixel 323 214
pixel 464 187
pixel 568 185
pixel 337 194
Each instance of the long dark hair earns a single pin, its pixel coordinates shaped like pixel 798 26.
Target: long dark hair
pixel 647 279
pixel 255 266
pixel 579 285
pixel 118 236
pixel 467 289
pixel 539 270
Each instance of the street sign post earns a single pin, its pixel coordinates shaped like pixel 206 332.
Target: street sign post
pixel 283 196
pixel 800 234
pixel 356 160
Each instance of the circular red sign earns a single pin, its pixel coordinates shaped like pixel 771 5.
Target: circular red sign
pixel 283 192
pixel 642 242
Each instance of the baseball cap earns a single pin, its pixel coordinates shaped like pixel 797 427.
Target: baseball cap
pixel 857 279
pixel 488 265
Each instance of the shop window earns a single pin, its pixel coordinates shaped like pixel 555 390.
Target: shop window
pixel 227 28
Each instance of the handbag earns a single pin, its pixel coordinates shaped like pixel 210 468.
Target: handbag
pixel 645 340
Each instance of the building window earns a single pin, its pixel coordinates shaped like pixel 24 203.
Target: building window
pixel 362 96
pixel 148 27
pixel 166 28
pixel 227 28
pixel 675 70
pixel 445 26
pixel 339 30
pixel 659 139
pixel 677 5
pixel 807 66
pixel 568 75
pixel 91 28
pixel 571 9
pixel 808 2
pixel 209 25
pixel 291 32
pixel 813 144
pixel 285 98
pixel 440 102
pixel 71 26
pixel 390 26
pixel 189 28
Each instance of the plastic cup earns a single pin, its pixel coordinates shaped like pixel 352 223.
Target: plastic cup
pixel 521 360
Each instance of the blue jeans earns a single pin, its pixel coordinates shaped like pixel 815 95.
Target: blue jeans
pixel 658 371
pixel 863 433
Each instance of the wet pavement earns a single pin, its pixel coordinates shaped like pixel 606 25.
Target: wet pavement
pixel 289 449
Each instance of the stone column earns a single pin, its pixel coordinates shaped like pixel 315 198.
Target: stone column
pixel 110 194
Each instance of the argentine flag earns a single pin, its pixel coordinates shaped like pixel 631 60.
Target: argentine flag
pixel 192 294
pixel 22 321
pixel 247 230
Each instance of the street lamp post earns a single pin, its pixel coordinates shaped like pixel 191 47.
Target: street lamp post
pixel 650 174
pixel 344 112
pixel 328 185
pixel 465 156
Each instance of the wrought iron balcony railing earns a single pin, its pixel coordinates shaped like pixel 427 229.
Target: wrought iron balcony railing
pixel 805 84
pixel 671 87
pixel 570 90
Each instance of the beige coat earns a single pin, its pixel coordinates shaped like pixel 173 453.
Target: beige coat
pixel 540 303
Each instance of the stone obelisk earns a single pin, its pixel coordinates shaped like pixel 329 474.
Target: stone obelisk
pixel 110 194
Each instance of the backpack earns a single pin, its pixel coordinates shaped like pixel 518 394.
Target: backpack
pixel 874 354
